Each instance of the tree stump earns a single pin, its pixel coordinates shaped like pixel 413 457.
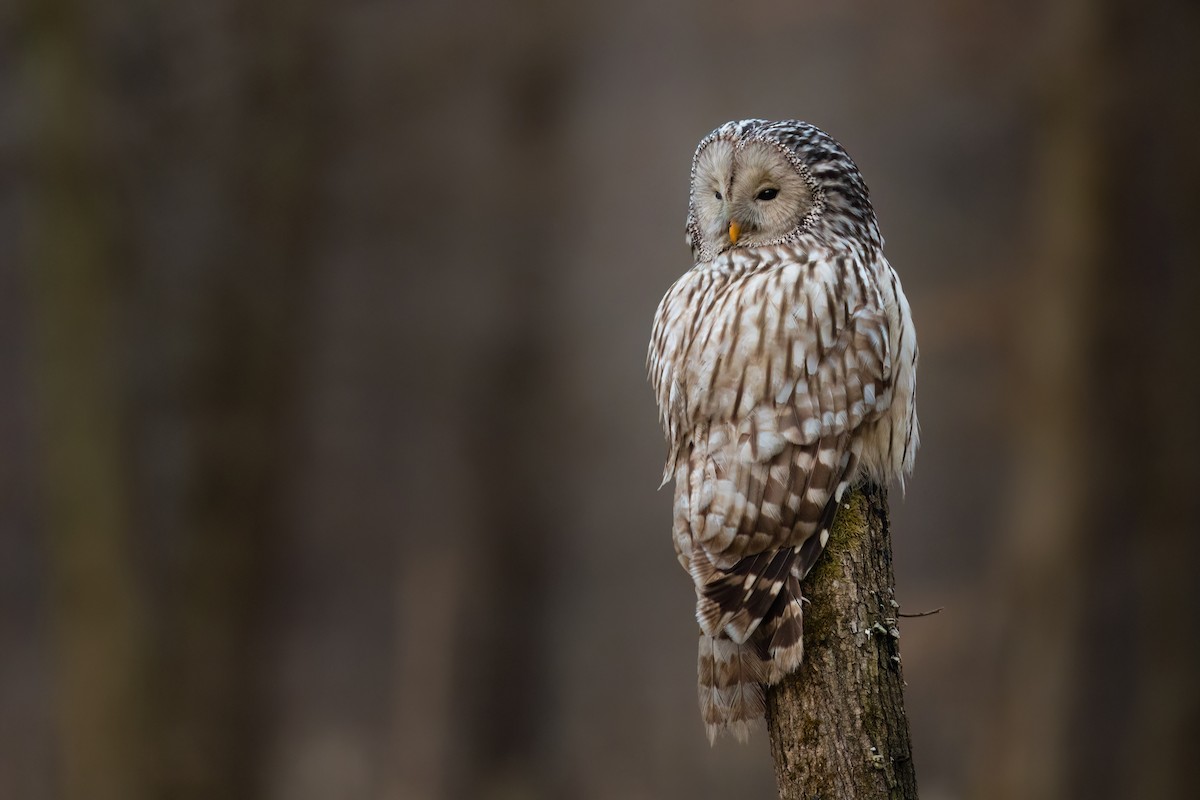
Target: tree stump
pixel 837 725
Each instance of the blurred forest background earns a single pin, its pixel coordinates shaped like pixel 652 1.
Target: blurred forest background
pixel 329 464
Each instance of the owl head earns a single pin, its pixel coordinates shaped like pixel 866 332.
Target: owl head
pixel 758 183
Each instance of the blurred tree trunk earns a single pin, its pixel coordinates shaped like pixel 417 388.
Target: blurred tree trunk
pixel 1097 696
pixel 1136 720
pixel 165 372
pixel 1041 579
pixel 239 411
pixel 239 390
pixel 837 725
pixel 518 483
pixel 97 602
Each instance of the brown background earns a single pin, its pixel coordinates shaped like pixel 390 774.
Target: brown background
pixel 328 463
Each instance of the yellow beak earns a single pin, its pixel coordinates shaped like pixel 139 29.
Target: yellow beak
pixel 735 231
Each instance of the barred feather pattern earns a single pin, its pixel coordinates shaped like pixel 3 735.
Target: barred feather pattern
pixel 784 370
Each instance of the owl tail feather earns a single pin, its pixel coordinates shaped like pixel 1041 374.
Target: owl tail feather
pixel 730 683
pixel 736 601
pixel 784 632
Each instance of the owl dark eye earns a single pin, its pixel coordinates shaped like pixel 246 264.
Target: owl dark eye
pixel 717 195
pixel 768 194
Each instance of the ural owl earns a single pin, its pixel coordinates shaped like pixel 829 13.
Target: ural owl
pixel 784 364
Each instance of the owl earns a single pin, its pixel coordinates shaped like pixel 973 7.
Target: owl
pixel 784 365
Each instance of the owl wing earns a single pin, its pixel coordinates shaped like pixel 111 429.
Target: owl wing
pixel 756 496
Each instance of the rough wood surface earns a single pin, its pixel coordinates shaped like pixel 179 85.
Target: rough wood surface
pixel 838 728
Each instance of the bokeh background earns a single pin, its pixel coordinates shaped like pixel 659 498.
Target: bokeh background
pixel 328 463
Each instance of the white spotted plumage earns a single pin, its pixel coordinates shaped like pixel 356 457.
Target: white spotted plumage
pixel 784 366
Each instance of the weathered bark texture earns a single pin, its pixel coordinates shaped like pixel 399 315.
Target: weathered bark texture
pixel 838 728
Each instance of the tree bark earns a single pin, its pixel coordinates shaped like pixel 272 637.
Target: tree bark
pixel 837 725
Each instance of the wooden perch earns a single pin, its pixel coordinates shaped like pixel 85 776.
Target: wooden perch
pixel 838 728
